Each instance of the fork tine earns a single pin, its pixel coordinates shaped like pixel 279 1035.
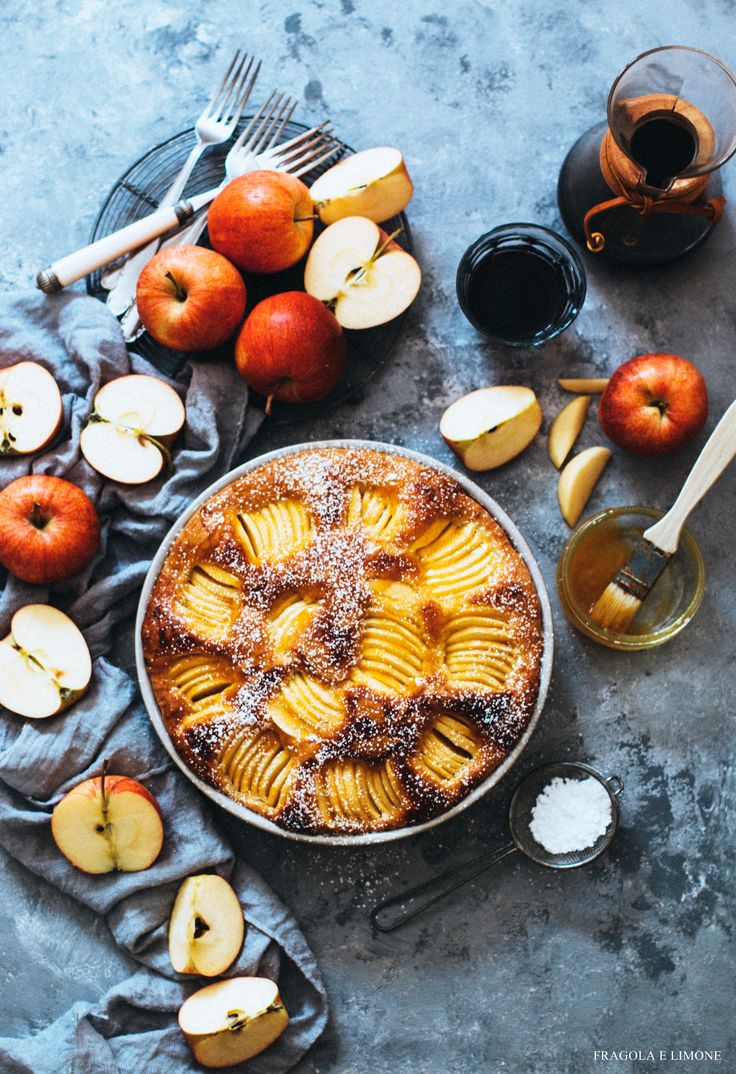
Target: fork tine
pixel 299 139
pixel 222 85
pixel 262 141
pixel 246 92
pixel 308 165
pixel 283 154
pixel 235 92
pixel 289 113
pixel 244 135
pixel 233 72
pixel 279 121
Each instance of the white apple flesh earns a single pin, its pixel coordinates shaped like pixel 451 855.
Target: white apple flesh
pixel 585 386
pixel 30 408
pixel 373 183
pixel 135 420
pixel 107 823
pixel 365 277
pixel 578 480
pixel 45 664
pixel 490 426
pixel 565 429
pixel 206 926
pixel 230 1021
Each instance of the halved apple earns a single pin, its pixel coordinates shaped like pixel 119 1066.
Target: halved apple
pixel 135 421
pixel 206 926
pixel 30 408
pixel 565 429
pixel 230 1021
pixel 361 273
pixel 106 823
pixel 489 426
pixel 590 386
pixel 373 183
pixel 45 664
pixel 578 480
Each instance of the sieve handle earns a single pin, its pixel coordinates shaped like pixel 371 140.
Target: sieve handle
pixel 399 909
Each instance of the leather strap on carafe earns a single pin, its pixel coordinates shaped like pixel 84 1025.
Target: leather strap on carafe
pixel 625 177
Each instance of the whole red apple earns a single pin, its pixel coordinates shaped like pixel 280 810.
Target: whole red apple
pixel 190 298
pixel 654 403
pixel 49 528
pixel 291 348
pixel 263 221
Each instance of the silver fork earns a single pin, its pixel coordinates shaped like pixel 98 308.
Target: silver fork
pixel 297 156
pixel 217 122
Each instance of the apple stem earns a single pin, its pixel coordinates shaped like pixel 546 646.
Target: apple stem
pixel 96 418
pixel 272 395
pixel 37 518
pixel 161 447
pixel 386 243
pixel 178 290
pixel 240 1018
pixel 304 219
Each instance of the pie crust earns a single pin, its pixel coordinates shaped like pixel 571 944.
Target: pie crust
pixel 343 641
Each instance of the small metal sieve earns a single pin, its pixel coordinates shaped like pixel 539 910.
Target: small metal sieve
pixel 399 909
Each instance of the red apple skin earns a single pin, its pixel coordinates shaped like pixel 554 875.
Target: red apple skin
pixel 653 404
pixel 49 529
pixel 190 298
pixel 263 221
pixel 92 788
pixel 291 348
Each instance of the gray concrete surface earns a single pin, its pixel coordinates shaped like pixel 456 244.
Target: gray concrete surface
pixel 525 970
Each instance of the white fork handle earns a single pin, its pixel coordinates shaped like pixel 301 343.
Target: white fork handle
pixel 122 292
pixel 718 452
pixel 130 321
pixel 74 266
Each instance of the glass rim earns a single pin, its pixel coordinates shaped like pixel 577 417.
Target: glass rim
pixel 559 246
pixel 611 638
pixel 686 173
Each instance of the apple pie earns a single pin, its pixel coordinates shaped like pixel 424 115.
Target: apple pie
pixel 343 641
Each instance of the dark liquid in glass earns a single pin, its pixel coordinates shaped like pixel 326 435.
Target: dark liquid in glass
pixel 516 294
pixel 663 148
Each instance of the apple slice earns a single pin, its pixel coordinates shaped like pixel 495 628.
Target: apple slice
pixel 578 480
pixel 361 273
pixel 135 420
pixel 565 429
pixel 373 183
pixel 206 926
pixel 230 1021
pixel 488 427
pixel 45 664
pixel 107 823
pixel 591 386
pixel 30 408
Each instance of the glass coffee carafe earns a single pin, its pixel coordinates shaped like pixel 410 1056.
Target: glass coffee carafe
pixel 640 188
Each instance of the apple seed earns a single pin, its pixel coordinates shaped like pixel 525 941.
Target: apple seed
pixel 200 927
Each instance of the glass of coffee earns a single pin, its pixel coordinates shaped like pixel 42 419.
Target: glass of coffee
pixel 521 284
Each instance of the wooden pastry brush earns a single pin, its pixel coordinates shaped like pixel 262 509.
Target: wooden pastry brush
pixel 621 599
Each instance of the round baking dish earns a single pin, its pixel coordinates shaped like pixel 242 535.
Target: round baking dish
pixel 241 811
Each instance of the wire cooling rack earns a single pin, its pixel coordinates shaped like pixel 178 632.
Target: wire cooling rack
pixel 139 191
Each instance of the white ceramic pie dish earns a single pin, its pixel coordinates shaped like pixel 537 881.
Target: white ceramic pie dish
pixel 250 816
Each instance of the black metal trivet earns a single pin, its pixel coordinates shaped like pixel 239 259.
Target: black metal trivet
pixel 140 190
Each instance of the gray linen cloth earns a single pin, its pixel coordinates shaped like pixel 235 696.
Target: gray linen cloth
pixel 133 1028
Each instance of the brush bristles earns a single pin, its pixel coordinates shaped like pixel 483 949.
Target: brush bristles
pixel 615 608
